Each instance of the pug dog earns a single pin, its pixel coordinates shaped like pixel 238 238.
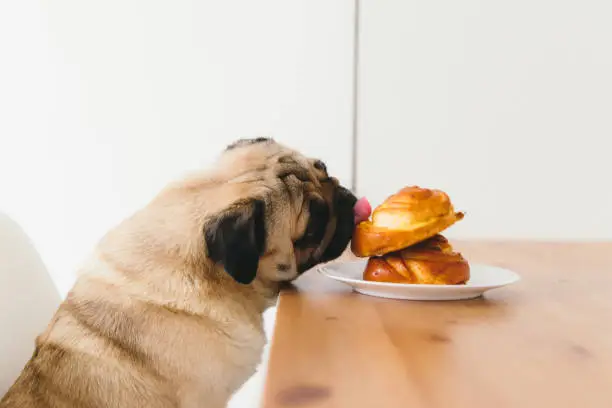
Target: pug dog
pixel 167 311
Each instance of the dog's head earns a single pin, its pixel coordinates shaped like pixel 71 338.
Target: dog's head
pixel 275 213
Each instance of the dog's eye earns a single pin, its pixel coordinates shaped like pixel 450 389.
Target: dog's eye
pixel 309 238
pixel 319 217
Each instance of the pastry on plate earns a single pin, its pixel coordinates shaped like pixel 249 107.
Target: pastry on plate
pixel 411 215
pixel 403 241
pixel 432 261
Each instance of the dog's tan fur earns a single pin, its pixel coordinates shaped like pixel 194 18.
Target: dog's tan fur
pixel 152 320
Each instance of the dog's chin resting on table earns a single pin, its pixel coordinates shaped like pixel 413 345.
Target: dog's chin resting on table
pixel 167 312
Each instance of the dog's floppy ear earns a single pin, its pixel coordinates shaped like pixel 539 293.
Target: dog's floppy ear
pixel 236 239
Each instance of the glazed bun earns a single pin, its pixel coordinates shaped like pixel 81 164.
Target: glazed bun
pixel 409 216
pixel 432 261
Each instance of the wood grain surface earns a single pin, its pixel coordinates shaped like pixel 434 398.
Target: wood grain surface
pixel 543 342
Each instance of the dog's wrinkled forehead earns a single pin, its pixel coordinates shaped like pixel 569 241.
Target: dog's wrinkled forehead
pixel 261 155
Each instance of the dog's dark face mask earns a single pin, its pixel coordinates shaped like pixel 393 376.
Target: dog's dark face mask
pixel 335 219
pixel 297 216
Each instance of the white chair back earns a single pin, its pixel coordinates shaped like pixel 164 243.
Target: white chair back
pixel 28 300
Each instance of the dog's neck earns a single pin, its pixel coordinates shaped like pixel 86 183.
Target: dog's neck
pixel 260 294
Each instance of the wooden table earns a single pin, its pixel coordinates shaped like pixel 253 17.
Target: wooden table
pixel 543 342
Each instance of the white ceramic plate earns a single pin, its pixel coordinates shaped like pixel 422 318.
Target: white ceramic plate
pixel 482 278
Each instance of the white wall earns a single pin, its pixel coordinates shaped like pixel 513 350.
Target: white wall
pixel 504 104
pixel 103 102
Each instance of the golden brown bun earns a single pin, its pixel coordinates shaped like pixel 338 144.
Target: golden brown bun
pixel 411 215
pixel 429 262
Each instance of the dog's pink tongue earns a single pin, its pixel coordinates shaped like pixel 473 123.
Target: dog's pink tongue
pixel 362 209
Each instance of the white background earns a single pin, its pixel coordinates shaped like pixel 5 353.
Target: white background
pixel 506 105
